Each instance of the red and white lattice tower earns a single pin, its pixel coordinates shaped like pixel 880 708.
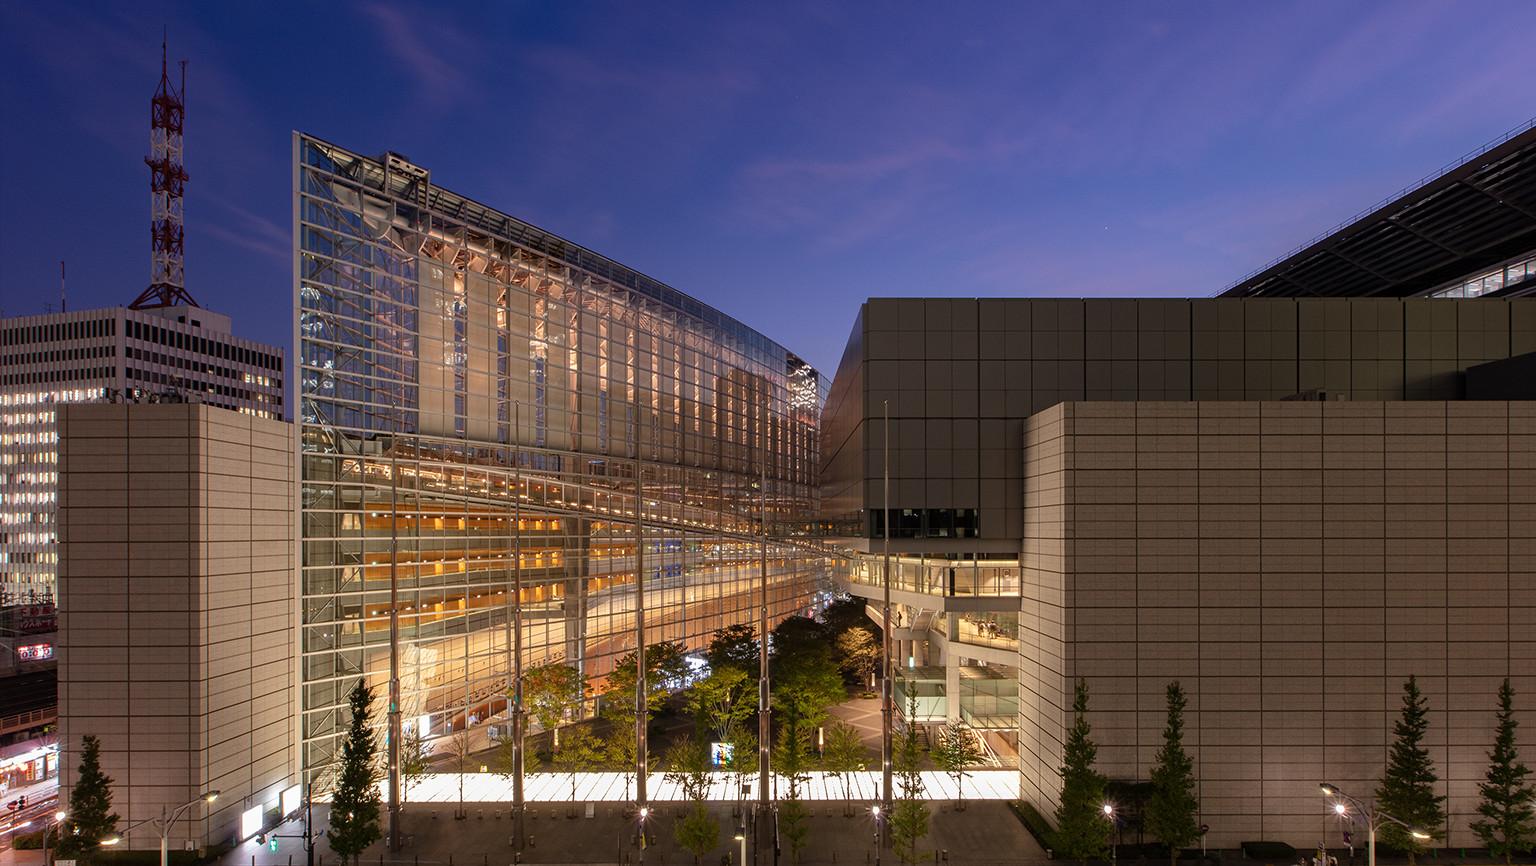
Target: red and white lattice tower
pixel 167 182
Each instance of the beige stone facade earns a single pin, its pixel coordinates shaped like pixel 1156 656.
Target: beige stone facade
pixel 176 599
pixel 1291 564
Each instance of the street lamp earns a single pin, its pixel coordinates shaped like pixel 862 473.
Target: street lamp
pixel 163 825
pixel 58 820
pixel 645 812
pixel 874 811
pixel 1373 819
pixel 741 839
pixel 1109 812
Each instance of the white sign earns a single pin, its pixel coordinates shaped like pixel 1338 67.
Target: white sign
pixel 250 822
pixel 292 799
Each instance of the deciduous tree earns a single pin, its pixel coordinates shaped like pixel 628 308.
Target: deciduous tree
pixel 859 655
pixel 955 751
pixel 734 646
pixel 845 754
pixel 909 814
pixel 581 754
pixel 550 692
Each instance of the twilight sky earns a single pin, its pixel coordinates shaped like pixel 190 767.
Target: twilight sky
pixel 781 161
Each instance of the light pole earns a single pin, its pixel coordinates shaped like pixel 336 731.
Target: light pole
pixel 741 840
pixel 163 825
pixel 875 811
pixel 1109 812
pixel 645 812
pixel 1373 818
pixel 58 820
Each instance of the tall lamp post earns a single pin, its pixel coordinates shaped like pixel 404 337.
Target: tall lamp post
pixel 58 821
pixel 1372 816
pixel 1109 812
pixel 163 825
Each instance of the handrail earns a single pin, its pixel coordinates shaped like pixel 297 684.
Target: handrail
pixel 1419 184
pixel 26 720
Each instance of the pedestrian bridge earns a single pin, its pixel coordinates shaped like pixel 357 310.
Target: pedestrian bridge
pixel 617 787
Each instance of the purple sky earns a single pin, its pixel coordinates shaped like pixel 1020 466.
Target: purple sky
pixel 780 161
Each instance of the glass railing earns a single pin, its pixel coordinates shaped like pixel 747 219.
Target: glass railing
pixel 939 577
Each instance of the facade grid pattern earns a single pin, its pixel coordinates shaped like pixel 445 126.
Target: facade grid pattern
pixel 477 409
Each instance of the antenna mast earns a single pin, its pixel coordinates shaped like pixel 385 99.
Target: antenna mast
pixel 167 183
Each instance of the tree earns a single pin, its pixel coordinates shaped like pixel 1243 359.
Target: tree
pixel 1407 789
pixel 1172 812
pixel 697 832
pixel 909 814
pixel 722 700
pixel 795 635
pixel 355 802
pixel 956 750
pixel 734 646
pixel 664 667
pixel 743 760
pixel 581 754
pixel 846 613
pixel 90 817
pixel 805 676
pixel 1507 825
pixel 791 756
pixel 414 761
pixel 859 655
pixel 458 747
pixel 1082 828
pixel 688 767
pixel 794 825
pixel 550 692
pixel 844 755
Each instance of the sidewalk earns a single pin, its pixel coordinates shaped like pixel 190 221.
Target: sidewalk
pixel 985 834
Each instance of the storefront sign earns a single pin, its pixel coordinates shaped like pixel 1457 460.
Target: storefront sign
pixel 35 652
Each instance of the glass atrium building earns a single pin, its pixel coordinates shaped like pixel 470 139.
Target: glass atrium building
pixel 478 401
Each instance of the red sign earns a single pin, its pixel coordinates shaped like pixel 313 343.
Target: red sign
pixel 35 652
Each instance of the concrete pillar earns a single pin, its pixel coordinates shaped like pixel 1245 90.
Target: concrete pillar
pixel 952 688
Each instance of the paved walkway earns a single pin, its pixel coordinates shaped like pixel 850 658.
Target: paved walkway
pixel 617 787
pixel 985 834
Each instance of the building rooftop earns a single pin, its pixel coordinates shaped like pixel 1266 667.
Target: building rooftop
pixel 1471 214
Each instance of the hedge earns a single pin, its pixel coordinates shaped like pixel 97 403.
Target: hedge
pixel 1036 824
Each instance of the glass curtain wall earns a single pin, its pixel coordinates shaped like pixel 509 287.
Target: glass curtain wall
pixel 478 402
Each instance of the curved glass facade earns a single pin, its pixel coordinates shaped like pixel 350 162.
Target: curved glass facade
pixel 478 399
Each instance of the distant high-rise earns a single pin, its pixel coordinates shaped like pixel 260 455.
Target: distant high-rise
pixel 164 354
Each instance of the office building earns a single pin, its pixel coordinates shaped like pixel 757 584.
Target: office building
pixel 1283 498
pixel 492 418
pixel 119 353
pixel 176 612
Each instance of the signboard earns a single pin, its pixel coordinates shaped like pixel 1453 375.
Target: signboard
pixel 36 652
pixel 721 753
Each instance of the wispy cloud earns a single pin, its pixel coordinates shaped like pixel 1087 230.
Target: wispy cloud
pixel 431 51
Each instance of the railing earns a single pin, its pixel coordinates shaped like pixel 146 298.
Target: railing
pixel 22 721
pixel 1421 182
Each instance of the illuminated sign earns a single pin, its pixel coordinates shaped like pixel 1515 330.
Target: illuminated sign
pixel 35 652
pixel 292 800
pixel 250 822
pixel 721 753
